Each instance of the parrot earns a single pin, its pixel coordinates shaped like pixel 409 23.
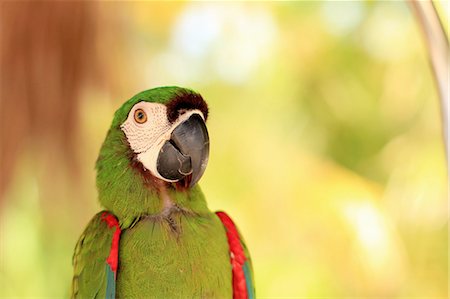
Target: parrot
pixel 156 237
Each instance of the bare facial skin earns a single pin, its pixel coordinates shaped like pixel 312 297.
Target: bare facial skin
pixel 146 138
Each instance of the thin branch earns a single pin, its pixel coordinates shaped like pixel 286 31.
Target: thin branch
pixel 438 49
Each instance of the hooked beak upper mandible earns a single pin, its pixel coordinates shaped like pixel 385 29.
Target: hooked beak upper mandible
pixel 186 153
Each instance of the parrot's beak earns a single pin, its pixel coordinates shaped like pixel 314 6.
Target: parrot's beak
pixel 185 155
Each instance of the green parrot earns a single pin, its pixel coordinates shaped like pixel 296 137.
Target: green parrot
pixel 156 237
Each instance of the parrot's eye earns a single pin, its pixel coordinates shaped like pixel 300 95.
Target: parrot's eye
pixel 139 116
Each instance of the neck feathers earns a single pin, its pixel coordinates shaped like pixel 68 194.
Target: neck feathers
pixel 129 191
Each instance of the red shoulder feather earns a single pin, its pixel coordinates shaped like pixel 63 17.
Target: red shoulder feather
pixel 242 284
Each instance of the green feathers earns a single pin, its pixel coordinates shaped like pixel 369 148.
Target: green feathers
pixel 160 95
pixel 122 186
pixel 171 245
pixel 89 260
pixel 191 261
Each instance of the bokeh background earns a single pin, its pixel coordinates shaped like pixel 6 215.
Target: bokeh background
pixel 325 135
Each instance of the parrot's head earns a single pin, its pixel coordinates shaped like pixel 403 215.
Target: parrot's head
pixel 157 141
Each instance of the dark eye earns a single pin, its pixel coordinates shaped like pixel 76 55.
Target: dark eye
pixel 182 111
pixel 139 116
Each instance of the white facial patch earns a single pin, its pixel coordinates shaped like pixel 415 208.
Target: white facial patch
pixel 146 139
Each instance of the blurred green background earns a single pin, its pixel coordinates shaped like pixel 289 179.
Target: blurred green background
pixel 325 135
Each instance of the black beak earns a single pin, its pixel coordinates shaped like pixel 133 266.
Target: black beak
pixel 186 154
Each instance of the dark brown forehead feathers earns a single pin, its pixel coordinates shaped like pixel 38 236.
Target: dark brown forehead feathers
pixel 186 100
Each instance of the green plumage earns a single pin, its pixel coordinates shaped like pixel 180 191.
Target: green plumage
pixel 193 263
pixel 182 253
pixel 89 258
